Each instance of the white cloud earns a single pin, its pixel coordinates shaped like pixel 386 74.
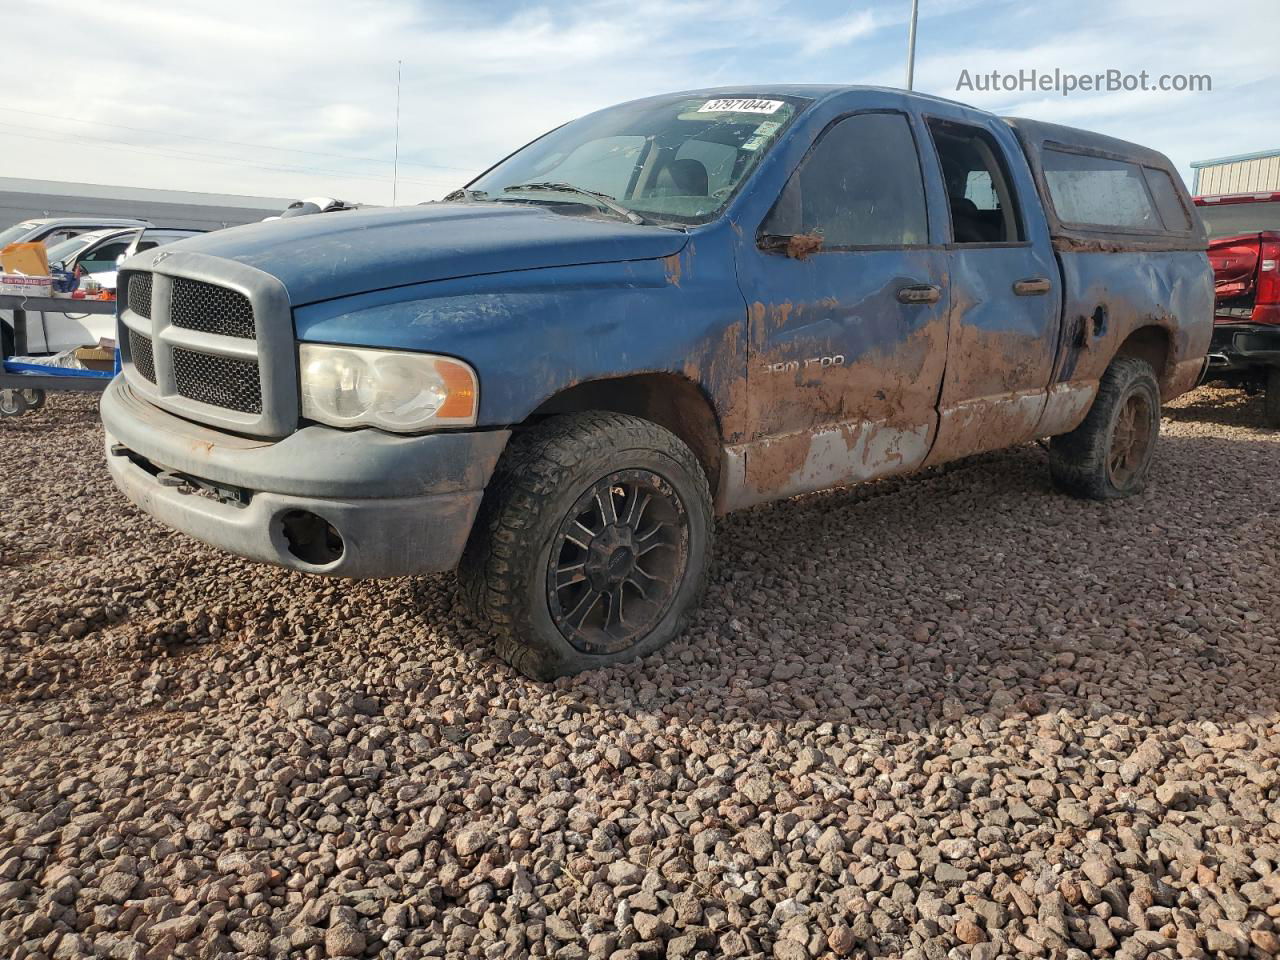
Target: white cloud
pixel 295 98
pixel 1175 37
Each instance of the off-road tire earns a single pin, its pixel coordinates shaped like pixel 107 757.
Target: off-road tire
pixel 1271 399
pixel 1078 461
pixel 543 472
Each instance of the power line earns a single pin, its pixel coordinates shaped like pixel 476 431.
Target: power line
pixel 235 143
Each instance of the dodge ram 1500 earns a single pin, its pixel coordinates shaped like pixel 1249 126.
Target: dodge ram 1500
pixel 555 379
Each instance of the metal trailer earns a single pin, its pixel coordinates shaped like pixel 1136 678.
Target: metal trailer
pixel 25 391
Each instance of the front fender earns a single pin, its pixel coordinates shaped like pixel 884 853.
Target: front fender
pixel 531 334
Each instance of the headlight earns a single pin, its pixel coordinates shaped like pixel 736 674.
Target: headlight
pixel 402 392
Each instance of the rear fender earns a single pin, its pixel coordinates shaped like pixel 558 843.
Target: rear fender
pixel 1108 296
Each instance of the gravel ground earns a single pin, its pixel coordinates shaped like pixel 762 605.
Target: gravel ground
pixel 954 715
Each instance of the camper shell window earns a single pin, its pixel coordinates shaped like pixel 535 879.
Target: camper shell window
pixel 1101 193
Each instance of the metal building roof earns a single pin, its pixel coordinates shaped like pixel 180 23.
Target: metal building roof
pixel 145 194
pixel 1258 155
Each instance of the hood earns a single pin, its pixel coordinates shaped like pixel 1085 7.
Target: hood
pixel 348 252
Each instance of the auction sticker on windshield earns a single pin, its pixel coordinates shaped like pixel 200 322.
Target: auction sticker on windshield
pixel 741 105
pixel 763 133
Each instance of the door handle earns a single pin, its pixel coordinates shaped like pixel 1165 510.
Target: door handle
pixel 919 293
pixel 1031 287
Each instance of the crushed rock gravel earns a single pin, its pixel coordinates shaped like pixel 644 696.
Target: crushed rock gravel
pixel 954 715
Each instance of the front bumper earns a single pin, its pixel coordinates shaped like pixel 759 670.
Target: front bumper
pixel 1243 346
pixel 398 505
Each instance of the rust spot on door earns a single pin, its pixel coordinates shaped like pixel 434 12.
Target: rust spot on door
pixel 801 245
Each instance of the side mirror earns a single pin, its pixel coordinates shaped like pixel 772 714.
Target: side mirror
pixel 797 246
pixel 120 259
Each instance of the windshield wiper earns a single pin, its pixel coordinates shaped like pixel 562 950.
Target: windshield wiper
pixel 606 201
pixel 469 196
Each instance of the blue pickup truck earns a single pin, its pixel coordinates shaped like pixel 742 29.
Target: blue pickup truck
pixel 555 379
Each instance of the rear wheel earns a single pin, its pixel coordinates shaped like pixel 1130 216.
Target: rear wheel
pixel 1271 401
pixel 592 545
pixel 1109 454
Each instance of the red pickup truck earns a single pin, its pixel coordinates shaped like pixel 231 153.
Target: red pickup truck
pixel 1244 249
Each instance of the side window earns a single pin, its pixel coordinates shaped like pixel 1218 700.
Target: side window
pixel 59 236
pixel 1098 191
pixel 860 186
pixel 103 258
pixel 979 191
pixel 1168 200
pixel 146 245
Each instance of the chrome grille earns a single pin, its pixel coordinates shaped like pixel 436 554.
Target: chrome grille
pixel 140 297
pixel 221 381
pixel 196 305
pixel 213 342
pixel 140 353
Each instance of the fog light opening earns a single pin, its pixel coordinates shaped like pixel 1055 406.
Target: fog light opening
pixel 311 538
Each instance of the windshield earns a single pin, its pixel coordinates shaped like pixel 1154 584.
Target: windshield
pixel 64 251
pixel 1229 219
pixel 15 233
pixel 675 158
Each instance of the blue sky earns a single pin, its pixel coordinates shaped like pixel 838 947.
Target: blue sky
pixel 291 99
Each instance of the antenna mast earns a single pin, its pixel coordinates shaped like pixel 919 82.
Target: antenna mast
pixel 395 166
pixel 911 43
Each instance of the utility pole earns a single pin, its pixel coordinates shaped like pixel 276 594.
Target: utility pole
pixel 395 166
pixel 911 43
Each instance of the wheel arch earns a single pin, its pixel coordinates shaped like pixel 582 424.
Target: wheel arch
pixel 1153 343
pixel 670 400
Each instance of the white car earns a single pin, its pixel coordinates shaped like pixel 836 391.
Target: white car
pixel 94 254
pixel 53 230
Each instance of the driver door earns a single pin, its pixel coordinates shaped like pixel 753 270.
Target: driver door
pixel 847 317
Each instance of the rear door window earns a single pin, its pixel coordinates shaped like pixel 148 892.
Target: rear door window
pixel 1099 191
pixel 979 190
pixel 860 186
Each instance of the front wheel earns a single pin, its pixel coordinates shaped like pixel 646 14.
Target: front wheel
pixel 1109 454
pixel 592 545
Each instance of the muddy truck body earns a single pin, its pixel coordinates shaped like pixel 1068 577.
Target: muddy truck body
pixel 555 379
